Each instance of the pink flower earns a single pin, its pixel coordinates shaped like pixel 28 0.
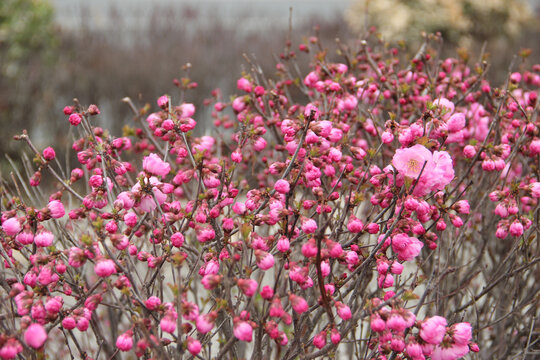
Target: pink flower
pixel 299 304
pixel 56 208
pixel 105 268
pixel 49 154
pixel 244 84
pixel 282 186
pixel 205 323
pixel 410 161
pixel 377 324
pixel 193 346
pixel 516 228
pixel 163 101
pixel 433 329
pixel 283 244
pixel 124 342
pixel 309 226
pixel 320 340
pixel 44 238
pixel 75 119
pixel 11 226
pixel 343 310
pixel 168 323
pixel 267 292
pixel 35 336
pixel 206 235
pixel 456 122
pixel 462 333
pixel 453 352
pixel 155 166
pixel 265 260
pixel 397 323
pixel 153 302
pixel 243 330
pixel 10 349
pixel 177 239
pixel 248 286
pixel 69 323
pixel 355 225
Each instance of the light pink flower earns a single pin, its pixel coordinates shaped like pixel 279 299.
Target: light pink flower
pixel 309 226
pixel 105 268
pixel 409 161
pixel 168 323
pixel 243 330
pixel 433 329
pixel 453 352
pixel 193 346
pixel 155 166
pixel 343 310
pixel 44 238
pixel 124 342
pixel 282 186
pixel 299 304
pixel 35 336
pixel 264 259
pixel 56 208
pixel 11 226
pixel 248 286
pixel 462 333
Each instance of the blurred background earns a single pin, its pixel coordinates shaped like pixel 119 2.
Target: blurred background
pixel 100 51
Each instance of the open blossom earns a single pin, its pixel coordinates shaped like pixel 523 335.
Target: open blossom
pixel 433 329
pixel 410 161
pixel 35 336
pixel 461 333
pixel 155 166
pixel 44 238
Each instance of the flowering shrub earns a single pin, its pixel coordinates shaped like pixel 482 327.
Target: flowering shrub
pixel 379 208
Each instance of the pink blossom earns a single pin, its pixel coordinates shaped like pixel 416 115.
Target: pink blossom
pixel 433 329
pixel 35 336
pixel 244 84
pixel 452 352
pixel 124 342
pixel 410 161
pixel 461 333
pixel 10 349
pixel 320 340
pixel 309 226
pixel 11 226
pixel 155 166
pixel 243 331
pixel 168 323
pixel 105 268
pixel 248 286
pixel 516 228
pixel 265 260
pixel 456 122
pixel 69 323
pixel 282 186
pixel 343 310
pixel 56 208
pixel 153 302
pixel 75 119
pixel 283 244
pixel 177 239
pixel 49 154
pixel 163 101
pixel 44 238
pixel 194 346
pixel 377 324
pixel 267 292
pixel 299 304
pixel 205 323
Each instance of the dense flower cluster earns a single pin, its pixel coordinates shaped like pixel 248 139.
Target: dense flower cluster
pixel 269 230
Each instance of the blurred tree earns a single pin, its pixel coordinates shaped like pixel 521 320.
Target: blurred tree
pixel 461 22
pixel 28 39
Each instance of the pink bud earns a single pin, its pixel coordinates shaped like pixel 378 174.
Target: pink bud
pixel 49 154
pixel 243 331
pixel 75 119
pixel 11 226
pixel 124 342
pixel 299 304
pixel 35 336
pixel 105 268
